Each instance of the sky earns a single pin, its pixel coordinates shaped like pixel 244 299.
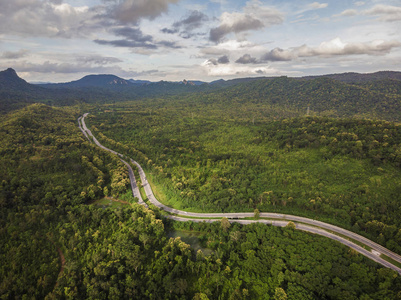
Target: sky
pixel 172 40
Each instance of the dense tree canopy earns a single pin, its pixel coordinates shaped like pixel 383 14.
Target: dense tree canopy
pixel 56 244
pixel 345 171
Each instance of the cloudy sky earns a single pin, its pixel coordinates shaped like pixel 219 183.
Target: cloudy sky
pixel 63 40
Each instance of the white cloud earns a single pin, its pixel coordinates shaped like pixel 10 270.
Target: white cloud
pixel 232 70
pixel 53 18
pixel 42 18
pixel 386 13
pixel 312 6
pixel 348 13
pixel 338 47
pixel 220 1
pixel 254 17
pixel 228 47
pixel 317 5
pixel 335 47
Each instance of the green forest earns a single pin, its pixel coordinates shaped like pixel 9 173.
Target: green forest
pixel 71 229
pixel 342 171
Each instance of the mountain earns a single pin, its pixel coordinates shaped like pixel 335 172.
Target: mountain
pixel 375 95
pixel 9 80
pixel 231 82
pixel 323 95
pixel 15 92
pixel 192 82
pixel 352 77
pixel 139 82
pixel 100 81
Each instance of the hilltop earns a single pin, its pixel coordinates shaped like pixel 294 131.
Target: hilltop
pixel 375 95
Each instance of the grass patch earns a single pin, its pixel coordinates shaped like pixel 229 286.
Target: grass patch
pixel 390 260
pixel 156 190
pixel 165 197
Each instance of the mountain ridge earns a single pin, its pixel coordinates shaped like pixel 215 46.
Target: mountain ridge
pixel 97 80
pixel 376 95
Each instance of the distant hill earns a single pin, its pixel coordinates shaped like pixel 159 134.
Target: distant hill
pixel 375 95
pixel 101 81
pixel 323 95
pixel 359 78
pixel 192 82
pixel 139 82
pixel 112 81
pixel 10 81
pixel 231 82
pixel 15 92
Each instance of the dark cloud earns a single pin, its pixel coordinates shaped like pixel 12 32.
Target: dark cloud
pixel 169 44
pixel 131 11
pixel 134 34
pixel 241 24
pixel 216 34
pixel 193 21
pixel 277 54
pixel 223 60
pixel 169 31
pixel 134 38
pixel 246 59
pixel 126 44
pixel 14 55
pixel 138 44
pixel 186 26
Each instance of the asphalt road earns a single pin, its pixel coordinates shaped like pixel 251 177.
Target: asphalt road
pixel 304 224
pixel 134 187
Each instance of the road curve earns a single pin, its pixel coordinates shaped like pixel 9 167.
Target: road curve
pixel 304 224
pixel 135 190
pixel 134 187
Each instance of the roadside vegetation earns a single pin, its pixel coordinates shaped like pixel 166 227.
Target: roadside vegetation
pixel 343 171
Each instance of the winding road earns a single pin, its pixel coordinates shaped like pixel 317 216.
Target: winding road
pixel 281 220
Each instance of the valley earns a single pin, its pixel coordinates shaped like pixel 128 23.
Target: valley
pixel 227 164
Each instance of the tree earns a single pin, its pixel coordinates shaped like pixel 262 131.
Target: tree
pixel 291 225
pixel 280 294
pixel 105 191
pixel 225 224
pixel 200 296
pixel 256 213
